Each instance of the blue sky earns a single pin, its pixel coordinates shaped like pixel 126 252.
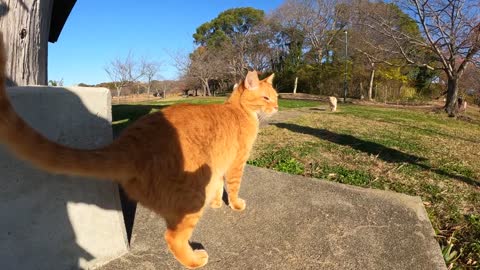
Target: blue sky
pixel 96 32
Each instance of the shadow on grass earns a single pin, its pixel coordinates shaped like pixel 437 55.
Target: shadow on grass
pixel 430 131
pixel 318 109
pixel 127 114
pixel 382 152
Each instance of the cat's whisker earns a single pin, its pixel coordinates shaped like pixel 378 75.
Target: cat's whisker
pixel 262 117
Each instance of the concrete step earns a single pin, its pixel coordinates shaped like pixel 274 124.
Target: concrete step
pixel 293 222
pixel 57 222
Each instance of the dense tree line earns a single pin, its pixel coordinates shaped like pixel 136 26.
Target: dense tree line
pixel 387 51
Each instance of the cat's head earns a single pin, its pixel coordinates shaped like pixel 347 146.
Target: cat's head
pixel 258 95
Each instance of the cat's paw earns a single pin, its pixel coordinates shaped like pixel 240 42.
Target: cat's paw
pixel 200 259
pixel 216 204
pixel 238 205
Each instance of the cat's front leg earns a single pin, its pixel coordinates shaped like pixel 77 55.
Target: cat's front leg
pixel 233 179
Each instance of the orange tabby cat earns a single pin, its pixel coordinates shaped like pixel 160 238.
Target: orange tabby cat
pixel 173 162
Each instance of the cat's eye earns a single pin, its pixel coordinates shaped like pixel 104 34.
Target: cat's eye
pixel 266 98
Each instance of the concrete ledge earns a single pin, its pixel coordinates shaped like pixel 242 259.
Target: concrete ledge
pixel 59 222
pixel 293 222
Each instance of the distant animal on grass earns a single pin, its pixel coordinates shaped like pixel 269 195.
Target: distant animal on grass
pixel 175 162
pixel 332 101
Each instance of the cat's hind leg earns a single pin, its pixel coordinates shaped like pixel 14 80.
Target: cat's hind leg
pixel 179 231
pixel 217 201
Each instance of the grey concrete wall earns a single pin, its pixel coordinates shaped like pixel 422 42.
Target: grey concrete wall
pixel 53 221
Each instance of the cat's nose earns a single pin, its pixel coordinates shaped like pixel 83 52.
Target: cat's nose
pixel 276 108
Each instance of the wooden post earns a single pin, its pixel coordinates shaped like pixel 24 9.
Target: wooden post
pixel 25 25
pixel 295 87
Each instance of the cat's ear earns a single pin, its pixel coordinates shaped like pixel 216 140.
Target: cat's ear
pixel 269 79
pixel 251 81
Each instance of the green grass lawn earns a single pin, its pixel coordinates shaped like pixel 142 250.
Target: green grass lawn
pixel 416 152
pixel 123 114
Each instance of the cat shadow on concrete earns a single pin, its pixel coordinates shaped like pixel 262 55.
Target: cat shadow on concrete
pixel 380 151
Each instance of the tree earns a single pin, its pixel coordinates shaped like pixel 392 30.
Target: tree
pixel 450 37
pixel 452 32
pixel 231 25
pixel 150 70
pixel 165 86
pixel 287 51
pixel 371 45
pixel 55 82
pixel 123 71
pixel 317 20
pixel 234 31
pixel 203 64
pixel 258 47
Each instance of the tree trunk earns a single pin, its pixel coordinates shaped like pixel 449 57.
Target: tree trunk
pixel 26 26
pixel 209 93
pixel 452 96
pixel 370 85
pixel 361 91
pixel 204 86
pixel 385 93
pixel 295 86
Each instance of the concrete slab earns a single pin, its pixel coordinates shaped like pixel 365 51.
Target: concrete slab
pixel 53 221
pixel 292 222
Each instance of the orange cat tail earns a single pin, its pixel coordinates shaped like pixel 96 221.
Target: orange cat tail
pixel 29 145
